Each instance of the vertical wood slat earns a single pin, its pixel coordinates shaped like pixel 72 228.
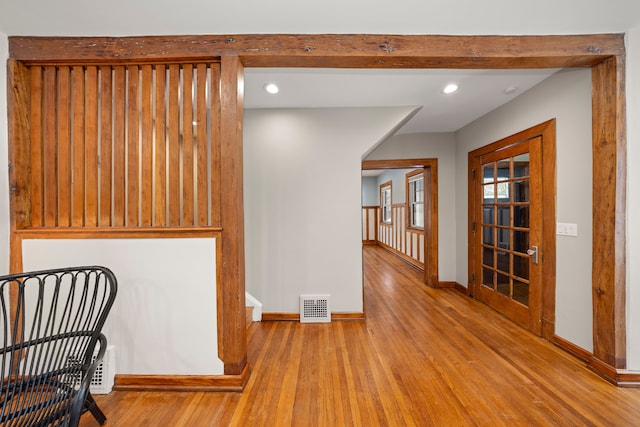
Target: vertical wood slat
pixel 19 99
pixel 91 148
pixel 146 152
pixel 202 176
pixel 78 142
pixel 50 148
pixel 105 163
pixel 119 139
pixel 215 167
pixel 133 145
pixel 160 178
pixel 37 165
pixel 174 146
pixel 187 145
pixel 63 123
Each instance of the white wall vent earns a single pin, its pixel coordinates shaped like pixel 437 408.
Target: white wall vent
pixel 102 381
pixel 315 309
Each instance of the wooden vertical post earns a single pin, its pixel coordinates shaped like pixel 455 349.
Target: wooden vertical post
pixel 232 338
pixel 19 158
pixel 609 206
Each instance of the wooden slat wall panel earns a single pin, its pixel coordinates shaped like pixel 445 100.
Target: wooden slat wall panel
pixel 397 236
pixel 125 145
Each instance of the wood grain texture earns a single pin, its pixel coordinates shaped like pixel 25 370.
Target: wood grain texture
pixel 20 150
pixel 333 50
pixel 106 145
pixel 609 213
pixel 422 357
pixel 91 157
pixel 36 159
pixel 232 343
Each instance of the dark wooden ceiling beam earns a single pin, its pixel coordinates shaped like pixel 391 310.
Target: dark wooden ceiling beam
pixel 331 50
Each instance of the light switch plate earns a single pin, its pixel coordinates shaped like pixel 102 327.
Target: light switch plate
pixel 567 229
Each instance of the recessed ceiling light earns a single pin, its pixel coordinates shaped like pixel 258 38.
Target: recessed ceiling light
pixel 509 90
pixel 450 88
pixel 271 88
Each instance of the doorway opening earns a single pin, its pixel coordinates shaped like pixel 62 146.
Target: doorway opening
pixel 429 232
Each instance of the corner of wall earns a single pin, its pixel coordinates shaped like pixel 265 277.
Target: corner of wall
pixel 632 43
pixel 4 158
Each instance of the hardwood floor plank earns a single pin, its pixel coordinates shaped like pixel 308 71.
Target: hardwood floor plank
pixel 422 357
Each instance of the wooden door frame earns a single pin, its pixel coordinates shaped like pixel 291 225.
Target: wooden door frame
pixel 603 53
pixel 430 167
pixel 546 130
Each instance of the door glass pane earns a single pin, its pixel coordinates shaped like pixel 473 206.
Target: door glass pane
pixel 520 241
pixel 521 165
pixel 503 261
pixel 521 292
pixel 504 215
pixel 487 256
pixel 502 192
pixel 489 191
pixel 521 191
pixel 521 267
pixel 487 235
pixel 487 277
pixel 503 238
pixel 487 172
pixel 487 216
pixel 502 168
pixel 503 284
pixel 521 216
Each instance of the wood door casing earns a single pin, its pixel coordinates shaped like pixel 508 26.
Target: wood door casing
pixel 539 140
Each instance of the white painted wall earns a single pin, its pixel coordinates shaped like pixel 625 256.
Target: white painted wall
pixel 302 192
pixel 164 318
pixel 370 191
pixel 633 199
pixel 567 97
pixel 398 184
pixel 439 146
pixel 4 160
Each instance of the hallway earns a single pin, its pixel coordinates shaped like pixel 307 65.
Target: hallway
pixel 422 357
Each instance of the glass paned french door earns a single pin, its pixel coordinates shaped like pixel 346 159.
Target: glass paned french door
pixel 507 219
pixel 505 227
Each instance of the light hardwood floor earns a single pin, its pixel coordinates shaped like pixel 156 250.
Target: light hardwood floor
pixel 422 357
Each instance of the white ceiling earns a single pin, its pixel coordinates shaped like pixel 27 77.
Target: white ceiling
pixel 162 17
pixel 480 91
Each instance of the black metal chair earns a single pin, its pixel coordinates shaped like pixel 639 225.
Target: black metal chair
pixel 51 324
